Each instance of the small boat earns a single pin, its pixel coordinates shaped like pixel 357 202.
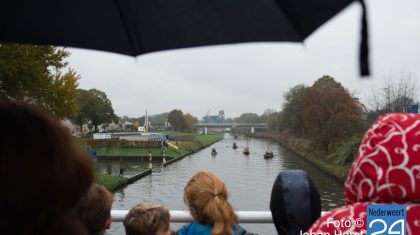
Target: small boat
pixel 213 152
pixel 234 146
pixel 268 153
pixel 246 151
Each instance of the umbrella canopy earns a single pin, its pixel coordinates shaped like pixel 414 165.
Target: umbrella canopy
pixel 135 27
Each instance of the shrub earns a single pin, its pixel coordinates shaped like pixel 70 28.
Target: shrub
pixel 347 150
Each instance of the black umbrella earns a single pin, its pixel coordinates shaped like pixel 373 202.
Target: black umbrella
pixel 135 27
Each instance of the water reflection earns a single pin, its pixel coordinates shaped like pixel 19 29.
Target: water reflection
pixel 249 178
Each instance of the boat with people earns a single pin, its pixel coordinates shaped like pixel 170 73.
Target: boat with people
pixel 246 149
pixel 213 152
pixel 234 146
pixel 268 153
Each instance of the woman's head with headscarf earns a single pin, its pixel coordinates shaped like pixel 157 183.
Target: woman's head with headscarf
pixel 387 165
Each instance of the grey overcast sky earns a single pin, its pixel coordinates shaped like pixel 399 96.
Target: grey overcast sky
pixel 253 77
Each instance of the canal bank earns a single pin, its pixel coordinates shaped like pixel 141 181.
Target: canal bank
pixel 110 182
pixel 304 148
pixel 186 148
pixel 194 144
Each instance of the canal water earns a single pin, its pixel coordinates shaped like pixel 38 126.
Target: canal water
pixel 249 178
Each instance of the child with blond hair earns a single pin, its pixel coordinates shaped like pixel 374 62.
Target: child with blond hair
pixel 206 196
pixel 95 209
pixel 147 219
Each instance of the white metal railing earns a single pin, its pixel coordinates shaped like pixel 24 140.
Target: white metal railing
pixel 257 217
pixel 185 217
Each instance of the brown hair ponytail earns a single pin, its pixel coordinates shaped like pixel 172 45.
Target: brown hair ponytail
pixel 207 198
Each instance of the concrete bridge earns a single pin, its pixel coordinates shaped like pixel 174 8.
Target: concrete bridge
pixel 252 126
pixel 205 126
pixel 231 125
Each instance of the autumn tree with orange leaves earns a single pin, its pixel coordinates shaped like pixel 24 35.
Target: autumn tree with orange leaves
pixel 330 113
pixel 190 120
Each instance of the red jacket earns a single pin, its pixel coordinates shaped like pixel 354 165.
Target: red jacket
pixel 386 170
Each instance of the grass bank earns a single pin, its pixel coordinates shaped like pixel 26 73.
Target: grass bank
pixel 197 143
pixel 110 182
pixel 306 149
pixel 185 147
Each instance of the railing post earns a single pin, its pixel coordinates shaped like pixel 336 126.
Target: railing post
pixel 164 158
pixel 150 159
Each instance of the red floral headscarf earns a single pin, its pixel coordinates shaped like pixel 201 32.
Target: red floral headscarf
pixel 385 170
pixel 387 165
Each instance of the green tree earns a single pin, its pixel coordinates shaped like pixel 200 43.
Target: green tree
pixel 272 122
pixel 125 118
pixel 94 107
pixel 176 119
pixel 267 114
pixel 248 118
pixel 330 113
pixel 292 110
pixel 63 94
pixel 158 118
pixel 81 118
pixel 228 120
pixel 33 74
pixel 327 82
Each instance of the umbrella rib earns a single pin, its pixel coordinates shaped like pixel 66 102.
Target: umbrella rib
pixel 125 23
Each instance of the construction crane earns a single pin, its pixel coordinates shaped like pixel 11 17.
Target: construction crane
pixel 207 115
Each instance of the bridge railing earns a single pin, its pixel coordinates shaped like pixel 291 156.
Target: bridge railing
pixel 230 125
pixel 185 217
pixel 258 217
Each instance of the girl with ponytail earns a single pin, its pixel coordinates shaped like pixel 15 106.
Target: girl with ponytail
pixel 206 196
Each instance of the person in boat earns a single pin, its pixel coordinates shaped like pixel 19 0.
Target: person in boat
pixel 268 153
pixel 385 171
pixel 206 196
pixel 234 145
pixel 213 151
pixel 43 173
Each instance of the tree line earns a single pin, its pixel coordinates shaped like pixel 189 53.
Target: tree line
pixel 329 115
pixel 326 112
pixel 35 74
